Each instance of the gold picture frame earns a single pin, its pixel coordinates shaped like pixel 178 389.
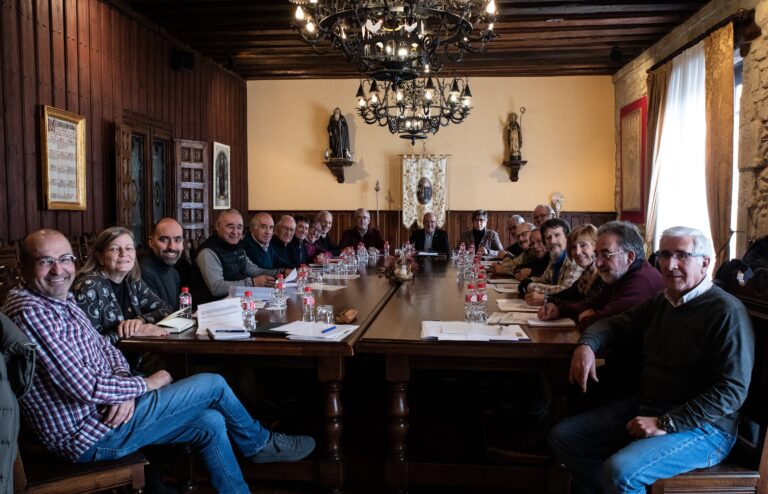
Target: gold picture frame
pixel 62 154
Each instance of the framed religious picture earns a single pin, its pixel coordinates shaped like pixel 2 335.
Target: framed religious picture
pixel 221 182
pixel 62 153
pixel 633 118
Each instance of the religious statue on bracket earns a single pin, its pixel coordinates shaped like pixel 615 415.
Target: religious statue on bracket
pixel 338 155
pixel 514 135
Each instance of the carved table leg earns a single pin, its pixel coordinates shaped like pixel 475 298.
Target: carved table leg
pixel 330 466
pixel 398 375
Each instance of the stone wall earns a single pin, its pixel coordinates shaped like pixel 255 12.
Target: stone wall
pixel 630 84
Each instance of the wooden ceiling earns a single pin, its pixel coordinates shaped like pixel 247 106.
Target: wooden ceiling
pixel 254 38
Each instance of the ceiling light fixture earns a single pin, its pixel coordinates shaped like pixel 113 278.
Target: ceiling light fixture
pixel 416 107
pixel 397 40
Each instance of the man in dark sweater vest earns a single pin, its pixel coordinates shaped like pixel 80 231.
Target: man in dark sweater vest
pixel 222 260
pixel 158 266
pixel 698 346
pixel 258 246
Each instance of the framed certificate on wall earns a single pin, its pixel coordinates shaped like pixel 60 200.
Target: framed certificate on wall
pixel 63 159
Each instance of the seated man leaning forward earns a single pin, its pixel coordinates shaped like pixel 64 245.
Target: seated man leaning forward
pixel 370 237
pixel 222 259
pixel 698 347
pixel 84 404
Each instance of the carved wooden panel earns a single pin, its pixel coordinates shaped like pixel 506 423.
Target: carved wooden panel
pixel 126 192
pixel 192 176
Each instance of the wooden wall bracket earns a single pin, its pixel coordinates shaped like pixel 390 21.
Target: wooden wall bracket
pixel 514 168
pixel 336 165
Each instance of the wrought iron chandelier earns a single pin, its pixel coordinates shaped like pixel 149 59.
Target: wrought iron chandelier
pixel 397 40
pixel 416 107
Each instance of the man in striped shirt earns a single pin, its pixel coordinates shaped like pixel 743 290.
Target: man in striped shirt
pixel 85 405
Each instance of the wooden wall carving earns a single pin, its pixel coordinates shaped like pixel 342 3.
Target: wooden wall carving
pixel 456 222
pixel 192 171
pixel 100 60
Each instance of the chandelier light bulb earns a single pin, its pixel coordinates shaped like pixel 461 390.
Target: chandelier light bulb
pixel 399 95
pixel 491 8
pixel 343 33
pixel 312 1
pixel 374 98
pixel 299 15
pixel 361 102
pixel 490 26
pixel 310 27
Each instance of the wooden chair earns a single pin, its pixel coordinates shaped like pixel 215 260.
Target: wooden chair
pixel 746 468
pixel 43 472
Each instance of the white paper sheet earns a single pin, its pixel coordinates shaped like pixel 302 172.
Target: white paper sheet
pixel 556 323
pixel 516 305
pixel 462 331
pixel 226 314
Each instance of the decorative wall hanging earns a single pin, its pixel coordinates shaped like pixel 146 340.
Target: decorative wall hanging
pixel 633 119
pixel 424 181
pixel 62 136
pixel 514 138
pixel 221 177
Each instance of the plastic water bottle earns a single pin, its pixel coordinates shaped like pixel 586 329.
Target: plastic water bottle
pixel 386 249
pixel 308 305
pixel 470 300
pixel 249 311
pixel 482 298
pixel 362 253
pixel 301 282
pixel 277 299
pixel 185 302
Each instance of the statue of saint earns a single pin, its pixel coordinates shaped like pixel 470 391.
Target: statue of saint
pixel 338 136
pixel 515 137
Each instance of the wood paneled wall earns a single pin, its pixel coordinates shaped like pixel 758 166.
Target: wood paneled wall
pixel 100 60
pixel 456 222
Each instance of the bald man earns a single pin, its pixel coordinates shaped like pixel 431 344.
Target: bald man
pixel 362 233
pixel 158 267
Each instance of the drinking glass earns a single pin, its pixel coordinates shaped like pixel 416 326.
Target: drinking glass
pixel 325 314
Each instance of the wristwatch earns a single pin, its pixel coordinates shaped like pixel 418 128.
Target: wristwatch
pixel 666 423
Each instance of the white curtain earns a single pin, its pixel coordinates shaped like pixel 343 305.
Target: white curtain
pixel 677 178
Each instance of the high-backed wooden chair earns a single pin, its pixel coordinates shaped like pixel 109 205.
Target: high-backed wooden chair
pixel 10 273
pixel 746 469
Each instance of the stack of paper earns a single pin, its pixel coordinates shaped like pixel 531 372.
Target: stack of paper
pixel 315 331
pixel 462 331
pixel 325 287
pixel 222 314
pixel 515 305
pixel 507 281
pixel 555 323
pixel 228 334
pixel 509 318
pixel 505 288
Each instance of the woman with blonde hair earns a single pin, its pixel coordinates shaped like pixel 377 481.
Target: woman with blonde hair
pixel 110 291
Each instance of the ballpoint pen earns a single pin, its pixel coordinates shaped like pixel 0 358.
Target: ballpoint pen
pixel 230 330
pixel 328 329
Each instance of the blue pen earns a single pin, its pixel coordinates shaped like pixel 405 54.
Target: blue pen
pixel 230 331
pixel 328 329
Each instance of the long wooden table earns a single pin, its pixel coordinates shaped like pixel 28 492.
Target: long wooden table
pixel 437 294
pixel 368 294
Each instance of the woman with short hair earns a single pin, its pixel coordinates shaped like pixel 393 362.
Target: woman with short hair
pixel 485 240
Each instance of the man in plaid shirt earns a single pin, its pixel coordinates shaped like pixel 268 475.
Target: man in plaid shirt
pixel 85 405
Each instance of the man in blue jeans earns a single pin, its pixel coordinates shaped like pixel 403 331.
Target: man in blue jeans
pixel 697 345
pixel 85 405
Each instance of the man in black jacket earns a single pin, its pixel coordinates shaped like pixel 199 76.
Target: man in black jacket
pixel 430 238
pixel 158 267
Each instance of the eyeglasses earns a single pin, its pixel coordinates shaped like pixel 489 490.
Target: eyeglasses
pixel 67 260
pixel 679 256
pixel 605 255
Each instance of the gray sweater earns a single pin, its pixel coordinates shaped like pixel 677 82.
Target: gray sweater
pixel 697 357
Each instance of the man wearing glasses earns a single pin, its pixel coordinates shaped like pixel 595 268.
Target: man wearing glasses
pixel 697 345
pixel 629 279
pixel 86 406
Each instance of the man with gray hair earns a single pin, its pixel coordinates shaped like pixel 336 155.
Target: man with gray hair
pixel 514 249
pixel 542 213
pixel 324 242
pixel 370 237
pixel 629 279
pixel 697 346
